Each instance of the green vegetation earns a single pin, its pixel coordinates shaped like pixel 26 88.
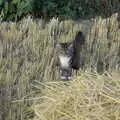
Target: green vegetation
pixel 28 75
pixel 16 9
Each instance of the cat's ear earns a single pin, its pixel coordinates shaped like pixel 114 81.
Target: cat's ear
pixel 70 46
pixel 70 50
pixel 58 46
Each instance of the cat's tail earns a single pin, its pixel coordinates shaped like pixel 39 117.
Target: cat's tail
pixel 77 48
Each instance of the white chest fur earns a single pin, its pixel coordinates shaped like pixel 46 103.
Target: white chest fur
pixel 64 61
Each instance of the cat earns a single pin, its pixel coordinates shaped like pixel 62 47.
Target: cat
pixel 68 55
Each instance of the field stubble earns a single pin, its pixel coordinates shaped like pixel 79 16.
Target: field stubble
pixel 26 56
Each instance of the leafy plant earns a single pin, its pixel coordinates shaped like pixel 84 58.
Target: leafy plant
pixel 16 9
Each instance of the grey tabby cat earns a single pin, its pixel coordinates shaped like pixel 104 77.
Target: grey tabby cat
pixel 68 55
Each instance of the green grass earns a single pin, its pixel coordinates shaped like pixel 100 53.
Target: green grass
pixel 26 58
